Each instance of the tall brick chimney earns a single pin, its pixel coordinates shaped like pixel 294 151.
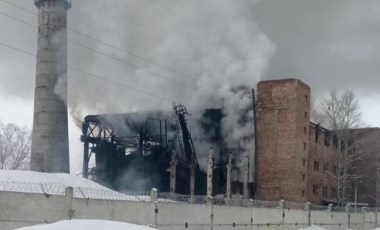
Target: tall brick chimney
pixel 50 148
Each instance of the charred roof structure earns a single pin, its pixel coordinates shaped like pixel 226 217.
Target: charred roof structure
pixel 138 151
pixel 134 151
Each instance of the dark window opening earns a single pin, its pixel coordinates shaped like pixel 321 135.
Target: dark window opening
pixel 335 142
pixel 316 166
pixel 315 190
pixel 316 135
pixel 327 139
pixel 324 192
pixel 326 167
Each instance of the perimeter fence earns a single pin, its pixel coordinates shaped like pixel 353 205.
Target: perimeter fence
pixel 145 196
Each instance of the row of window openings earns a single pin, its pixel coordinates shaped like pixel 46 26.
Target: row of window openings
pixel 327 138
pixel 324 191
pixel 316 167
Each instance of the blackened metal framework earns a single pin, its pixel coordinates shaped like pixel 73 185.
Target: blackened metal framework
pixel 97 129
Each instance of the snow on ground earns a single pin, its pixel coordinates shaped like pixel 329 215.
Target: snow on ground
pixel 313 227
pixel 14 176
pixel 87 224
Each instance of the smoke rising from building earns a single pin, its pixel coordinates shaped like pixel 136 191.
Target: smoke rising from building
pixel 217 43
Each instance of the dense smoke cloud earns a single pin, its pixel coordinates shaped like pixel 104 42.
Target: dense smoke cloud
pixel 216 44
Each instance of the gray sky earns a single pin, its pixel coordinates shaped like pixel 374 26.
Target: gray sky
pixel 327 44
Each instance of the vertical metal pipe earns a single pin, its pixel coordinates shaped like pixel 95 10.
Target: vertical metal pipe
pixel 85 159
pixel 160 133
pixel 166 134
pixel 256 181
pixel 246 177
pixel 85 127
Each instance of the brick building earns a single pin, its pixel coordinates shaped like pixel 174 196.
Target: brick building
pixel 322 165
pixel 296 159
pixel 366 144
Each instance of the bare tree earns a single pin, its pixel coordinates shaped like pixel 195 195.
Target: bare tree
pixel 15 146
pixel 342 114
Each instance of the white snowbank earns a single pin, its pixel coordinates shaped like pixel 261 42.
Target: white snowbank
pixel 15 176
pixel 313 227
pixel 87 224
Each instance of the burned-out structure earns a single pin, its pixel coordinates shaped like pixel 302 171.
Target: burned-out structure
pixel 138 151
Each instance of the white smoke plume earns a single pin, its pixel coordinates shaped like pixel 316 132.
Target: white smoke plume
pixel 217 44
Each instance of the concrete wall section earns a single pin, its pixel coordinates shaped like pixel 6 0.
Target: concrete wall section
pixel 22 209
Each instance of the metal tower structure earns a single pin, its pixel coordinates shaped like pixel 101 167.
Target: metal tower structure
pixel 50 147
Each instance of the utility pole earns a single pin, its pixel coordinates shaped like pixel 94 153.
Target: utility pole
pixel 377 193
pixel 356 194
pixel 339 184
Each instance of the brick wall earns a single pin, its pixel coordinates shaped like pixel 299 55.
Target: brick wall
pixel 283 115
pixel 322 162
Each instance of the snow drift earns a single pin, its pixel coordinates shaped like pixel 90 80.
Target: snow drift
pixel 87 224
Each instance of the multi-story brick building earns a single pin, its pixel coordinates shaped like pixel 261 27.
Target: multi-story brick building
pixel 296 158
pixel 322 165
pixel 366 146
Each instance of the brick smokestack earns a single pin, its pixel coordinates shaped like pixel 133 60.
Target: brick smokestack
pixel 50 147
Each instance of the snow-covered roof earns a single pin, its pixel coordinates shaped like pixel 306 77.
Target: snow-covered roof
pixel 66 180
pixel 56 183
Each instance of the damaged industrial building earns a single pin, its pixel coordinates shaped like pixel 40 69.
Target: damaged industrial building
pixel 139 151
pixel 288 156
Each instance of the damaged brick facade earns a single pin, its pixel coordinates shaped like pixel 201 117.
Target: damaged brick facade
pixel 295 163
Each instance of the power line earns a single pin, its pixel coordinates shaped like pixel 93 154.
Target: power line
pixel 102 78
pixel 120 49
pixel 115 58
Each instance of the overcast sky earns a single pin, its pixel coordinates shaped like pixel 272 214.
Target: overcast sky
pixel 327 44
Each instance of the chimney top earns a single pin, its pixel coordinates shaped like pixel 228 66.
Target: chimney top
pixel 67 3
